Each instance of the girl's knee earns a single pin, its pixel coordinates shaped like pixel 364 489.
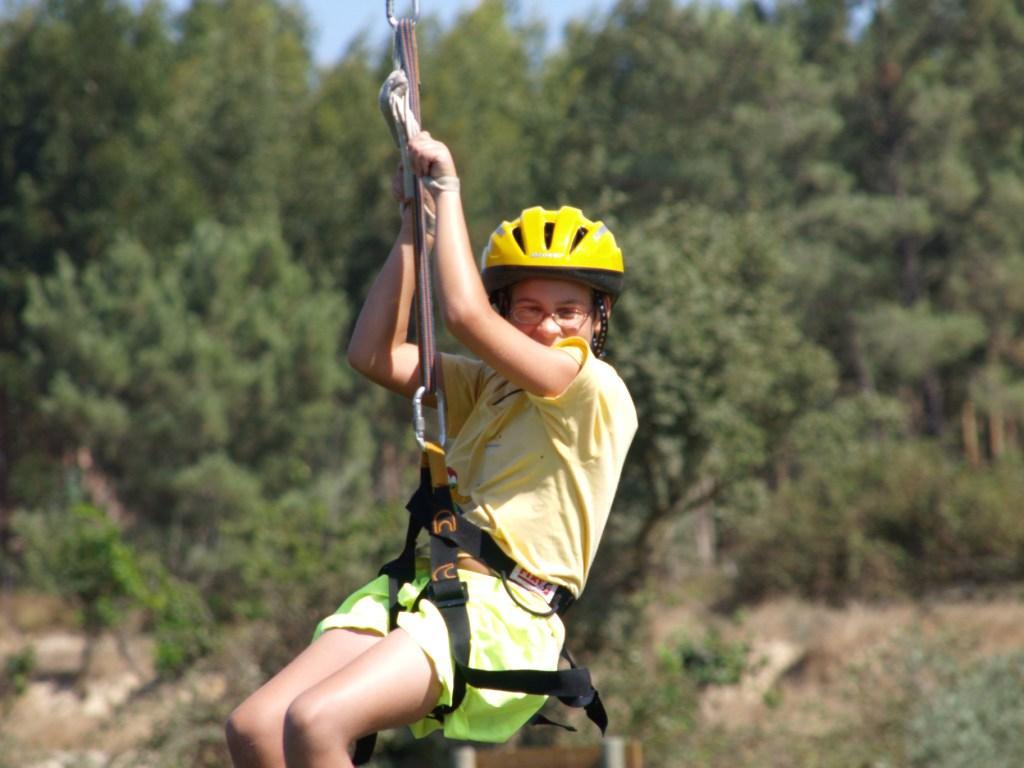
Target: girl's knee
pixel 310 727
pixel 236 732
pixel 254 726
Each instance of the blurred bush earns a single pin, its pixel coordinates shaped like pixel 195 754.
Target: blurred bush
pixel 82 555
pixel 714 660
pixel 892 520
pixel 977 719
pixel 17 671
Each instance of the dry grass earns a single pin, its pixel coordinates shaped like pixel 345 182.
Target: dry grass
pixel 817 671
pixel 812 664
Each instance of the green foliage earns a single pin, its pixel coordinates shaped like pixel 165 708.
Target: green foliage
pixel 85 95
pixel 649 695
pixel 848 429
pixel 339 216
pixel 17 671
pixel 197 361
pixel 240 78
pixel 484 65
pixel 908 701
pixel 671 102
pixel 819 204
pixel 975 719
pixel 891 520
pixel 159 364
pixel 81 553
pixel 907 229
pixel 292 561
pixel 714 660
pixel 182 623
pixel 908 342
pixel 717 368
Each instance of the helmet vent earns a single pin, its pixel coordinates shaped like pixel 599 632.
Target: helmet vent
pixel 517 233
pixel 549 232
pixel 580 234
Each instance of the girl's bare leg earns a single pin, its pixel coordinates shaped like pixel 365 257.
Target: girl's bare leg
pixel 391 684
pixel 255 730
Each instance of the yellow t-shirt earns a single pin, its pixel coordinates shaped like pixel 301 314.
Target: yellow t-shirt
pixel 539 473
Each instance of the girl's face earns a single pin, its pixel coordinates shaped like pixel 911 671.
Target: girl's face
pixel 548 309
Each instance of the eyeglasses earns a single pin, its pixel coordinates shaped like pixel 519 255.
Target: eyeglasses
pixel 568 318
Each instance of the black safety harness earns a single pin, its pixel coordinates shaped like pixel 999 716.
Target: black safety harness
pixel 432 508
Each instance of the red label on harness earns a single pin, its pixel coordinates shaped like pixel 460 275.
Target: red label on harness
pixel 533 583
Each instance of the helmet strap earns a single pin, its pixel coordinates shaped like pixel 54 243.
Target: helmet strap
pixel 501 301
pixel 598 341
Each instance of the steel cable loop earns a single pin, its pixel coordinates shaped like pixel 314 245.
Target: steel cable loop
pixel 400 103
pixel 391 12
pixel 405 36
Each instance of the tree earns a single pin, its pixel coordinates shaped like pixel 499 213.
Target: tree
pixel 691 103
pixel 932 172
pixel 203 381
pixel 717 367
pixel 241 90
pixel 482 95
pixel 338 214
pixel 82 149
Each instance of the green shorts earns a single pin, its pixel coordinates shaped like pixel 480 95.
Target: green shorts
pixel 504 636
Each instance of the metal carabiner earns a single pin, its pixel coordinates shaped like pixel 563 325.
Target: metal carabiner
pixel 391 12
pixel 419 423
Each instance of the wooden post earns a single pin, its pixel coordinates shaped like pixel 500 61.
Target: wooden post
pixel 707 544
pixel 996 434
pixel 969 428
pixel 613 752
pixel 465 757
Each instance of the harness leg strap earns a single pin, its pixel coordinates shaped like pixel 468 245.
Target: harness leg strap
pixel 432 508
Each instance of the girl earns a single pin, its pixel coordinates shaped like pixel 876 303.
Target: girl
pixel 539 427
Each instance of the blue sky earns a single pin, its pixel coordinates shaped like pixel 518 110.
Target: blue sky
pixel 336 22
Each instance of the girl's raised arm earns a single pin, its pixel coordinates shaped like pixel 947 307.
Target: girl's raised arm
pixel 379 348
pixel 467 311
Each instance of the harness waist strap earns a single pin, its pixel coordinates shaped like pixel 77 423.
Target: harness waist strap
pixel 535 584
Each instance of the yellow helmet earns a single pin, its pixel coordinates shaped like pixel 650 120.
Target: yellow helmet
pixel 555 244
